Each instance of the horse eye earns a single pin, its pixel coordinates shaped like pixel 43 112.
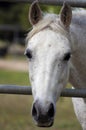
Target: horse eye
pixel 67 56
pixel 28 53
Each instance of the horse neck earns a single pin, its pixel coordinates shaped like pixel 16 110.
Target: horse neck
pixel 78 29
pixel 78 62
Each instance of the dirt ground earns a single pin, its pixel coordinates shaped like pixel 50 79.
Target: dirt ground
pixel 14 65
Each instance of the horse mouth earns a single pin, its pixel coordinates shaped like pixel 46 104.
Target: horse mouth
pixel 44 123
pixel 43 116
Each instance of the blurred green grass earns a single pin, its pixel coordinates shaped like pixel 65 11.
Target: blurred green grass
pixel 14 77
pixel 15 110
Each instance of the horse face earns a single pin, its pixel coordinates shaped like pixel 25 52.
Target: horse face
pixel 48 53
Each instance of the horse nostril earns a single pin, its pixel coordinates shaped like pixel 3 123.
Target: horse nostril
pixel 41 114
pixel 34 111
pixel 51 111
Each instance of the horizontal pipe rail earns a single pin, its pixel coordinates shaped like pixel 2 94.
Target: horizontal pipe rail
pixel 26 90
pixel 74 3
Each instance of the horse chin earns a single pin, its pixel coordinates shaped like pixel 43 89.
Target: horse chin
pixel 48 124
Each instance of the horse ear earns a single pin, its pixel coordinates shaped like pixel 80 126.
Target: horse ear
pixel 66 15
pixel 35 13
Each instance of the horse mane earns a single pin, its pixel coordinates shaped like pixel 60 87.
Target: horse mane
pixel 51 21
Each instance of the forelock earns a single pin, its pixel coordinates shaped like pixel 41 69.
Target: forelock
pixel 51 21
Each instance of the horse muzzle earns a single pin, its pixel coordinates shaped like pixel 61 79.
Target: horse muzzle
pixel 43 115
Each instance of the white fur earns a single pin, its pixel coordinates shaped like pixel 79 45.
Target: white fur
pixel 80 110
pixel 47 65
pixel 49 74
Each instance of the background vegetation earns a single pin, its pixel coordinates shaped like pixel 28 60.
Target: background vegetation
pixel 16 14
pixel 11 13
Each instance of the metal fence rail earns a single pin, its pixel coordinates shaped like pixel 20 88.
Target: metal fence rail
pixel 26 90
pixel 74 3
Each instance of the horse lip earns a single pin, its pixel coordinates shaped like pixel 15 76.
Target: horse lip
pixel 46 124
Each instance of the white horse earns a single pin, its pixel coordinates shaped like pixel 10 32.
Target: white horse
pixel 56 51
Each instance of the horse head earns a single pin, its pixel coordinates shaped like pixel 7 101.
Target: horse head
pixel 49 53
